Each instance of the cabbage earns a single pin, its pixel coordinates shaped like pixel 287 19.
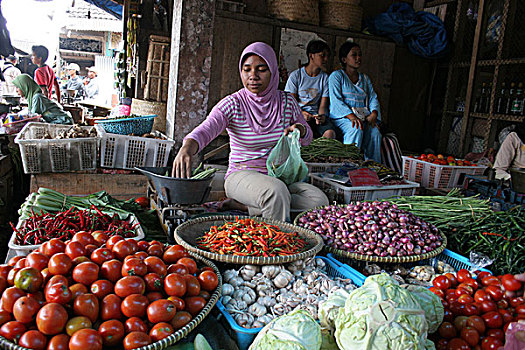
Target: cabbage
pixel 329 308
pixel 431 304
pixel 328 340
pixel 296 330
pixel 381 315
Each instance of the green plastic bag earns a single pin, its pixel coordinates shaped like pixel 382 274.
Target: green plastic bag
pixel 284 161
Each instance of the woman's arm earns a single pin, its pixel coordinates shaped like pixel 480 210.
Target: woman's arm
pixel 297 118
pixel 338 108
pixel 373 101
pixel 506 155
pixel 323 109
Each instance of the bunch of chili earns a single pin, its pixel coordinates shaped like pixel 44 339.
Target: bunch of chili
pixel 247 237
pixel 40 228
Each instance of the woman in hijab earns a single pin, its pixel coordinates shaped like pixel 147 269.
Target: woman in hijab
pixel 255 117
pixel 50 111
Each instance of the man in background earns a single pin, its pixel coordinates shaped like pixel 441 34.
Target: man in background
pixel 91 84
pixel 9 73
pixel 75 82
pixel 44 75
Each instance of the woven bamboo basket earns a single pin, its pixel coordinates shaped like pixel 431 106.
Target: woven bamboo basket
pixel 341 14
pixel 187 233
pixel 175 337
pixel 143 107
pixel 305 11
pixel 379 259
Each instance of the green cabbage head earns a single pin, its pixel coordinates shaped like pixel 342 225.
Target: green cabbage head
pixel 381 315
pixel 431 304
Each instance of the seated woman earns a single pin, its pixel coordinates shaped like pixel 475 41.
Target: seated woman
pixel 51 111
pixel 255 117
pixel 511 153
pixel 309 86
pixel 350 92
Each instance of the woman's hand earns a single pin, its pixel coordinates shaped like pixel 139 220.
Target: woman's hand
pixel 307 116
pixel 356 122
pixel 372 119
pixel 182 164
pixel 320 119
pixel 298 126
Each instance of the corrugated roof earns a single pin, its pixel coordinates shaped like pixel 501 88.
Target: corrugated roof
pixel 87 17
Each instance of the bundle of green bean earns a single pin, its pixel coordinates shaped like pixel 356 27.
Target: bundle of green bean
pixel 444 211
pixel 322 150
pixel 200 173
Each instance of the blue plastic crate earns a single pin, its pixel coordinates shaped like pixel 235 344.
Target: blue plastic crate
pixel 245 336
pixel 129 126
pixel 455 260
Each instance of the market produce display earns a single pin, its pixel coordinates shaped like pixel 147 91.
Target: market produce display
pixel 323 150
pixel 40 228
pixel 421 275
pixel 247 237
pixel 93 293
pixel 255 295
pixel 478 309
pixel 442 160
pixel 199 173
pixel 378 229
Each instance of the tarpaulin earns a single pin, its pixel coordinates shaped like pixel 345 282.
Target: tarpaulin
pixel 109 6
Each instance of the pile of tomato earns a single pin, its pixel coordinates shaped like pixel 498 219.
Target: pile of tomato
pixel 478 309
pixel 95 292
pixel 442 160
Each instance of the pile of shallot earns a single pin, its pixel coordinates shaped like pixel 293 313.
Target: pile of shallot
pixel 372 228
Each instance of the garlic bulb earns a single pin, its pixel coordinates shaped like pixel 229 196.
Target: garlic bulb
pixel 270 271
pixel 228 275
pixel 244 320
pixel 248 271
pixel 226 299
pixel 282 279
pixel 257 309
pixel 249 295
pixel 236 281
pixel 267 301
pixel 227 289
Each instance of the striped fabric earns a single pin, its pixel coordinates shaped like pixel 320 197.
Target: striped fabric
pixel 248 150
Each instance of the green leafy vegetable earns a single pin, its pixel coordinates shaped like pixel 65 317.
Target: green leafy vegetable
pixel 431 304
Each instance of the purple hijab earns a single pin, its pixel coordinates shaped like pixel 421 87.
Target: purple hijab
pixel 263 111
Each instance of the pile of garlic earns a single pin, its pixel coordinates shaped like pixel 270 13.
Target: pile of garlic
pixel 254 295
pixel 421 275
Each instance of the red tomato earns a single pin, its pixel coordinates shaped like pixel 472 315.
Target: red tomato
pixel 111 270
pixel 516 301
pixel 209 281
pixel 520 309
pixel 12 262
pixel 175 284
pixel 493 319
pixel 10 296
pixel 491 343
pixel 194 305
pixel 496 333
pixel 101 288
pixel 11 275
pixel 142 201
pixel 112 332
pixel 178 268
pixel 174 253
pixel 123 248
pixel 206 295
pixel 510 283
pixel 25 309
pixel 77 323
pixel 28 279
pixel 181 319
pixel 86 273
pixel 101 255
pixel 85 339
pixel 58 293
pixel 110 307
pixel 129 285
pixel 481 275
pixel 470 336
pixel 153 282
pixel 465 299
pixel 152 296
pixel 481 296
pixel 59 264
pixel 75 249
pixel 4 317
pixel 78 289
pixel 59 342
pixel 4 270
pixel 136 340
pixel 471 282
pixel 161 310
pixel 440 293
pixel 86 305
pixel 143 245
pixel 156 265
pixel 112 240
pixel 457 344
pixel 160 331
pixel 471 309
pixel 37 260
pixel 487 281
pixel 441 282
pixel 189 263
pixel 447 330
pixel 141 255
pixel 502 304
pixel 193 287
pixel 83 237
pixel 134 305
pixel 477 323
pixel 460 322
pixel 54 246
pixel 495 292
pixel 487 306
pixel 21 263
pixel 462 275
pixel 135 324
pixel 156 250
pixel 12 330
pixel 100 237
pixel 178 302
pixel 80 259
pixel 134 267
pixel 51 319
pixel 448 316
pixel 467 287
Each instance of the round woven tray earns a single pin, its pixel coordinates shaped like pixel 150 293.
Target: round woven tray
pixel 374 258
pixel 187 233
pixel 340 14
pixel 175 337
pixel 305 11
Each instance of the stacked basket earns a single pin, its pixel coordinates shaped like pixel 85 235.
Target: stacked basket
pixel 341 14
pixel 305 11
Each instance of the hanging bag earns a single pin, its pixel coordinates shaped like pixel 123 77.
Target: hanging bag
pixel 284 161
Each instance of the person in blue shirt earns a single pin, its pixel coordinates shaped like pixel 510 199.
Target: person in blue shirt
pixel 350 91
pixel 309 86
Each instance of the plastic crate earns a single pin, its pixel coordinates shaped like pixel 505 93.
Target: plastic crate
pixel 128 126
pixel 455 260
pixel 245 336
pixel 128 152
pixel 323 167
pixel 431 175
pixel 15 127
pixel 41 155
pixel 345 194
pixel 24 250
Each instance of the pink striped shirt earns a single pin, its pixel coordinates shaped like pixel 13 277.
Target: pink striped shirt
pixel 248 151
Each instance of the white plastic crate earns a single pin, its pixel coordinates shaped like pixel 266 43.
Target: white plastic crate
pixel 431 175
pixel 16 249
pixel 126 152
pixel 323 167
pixel 40 155
pixel 345 194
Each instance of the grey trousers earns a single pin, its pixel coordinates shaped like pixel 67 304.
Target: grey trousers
pixel 266 195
